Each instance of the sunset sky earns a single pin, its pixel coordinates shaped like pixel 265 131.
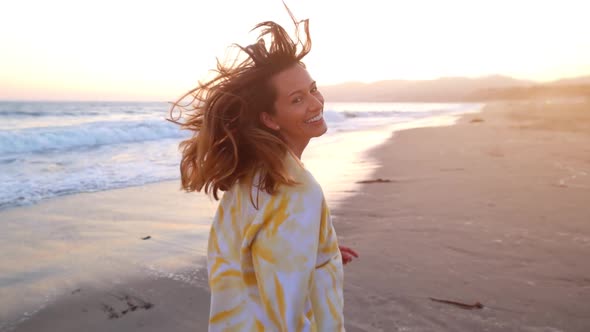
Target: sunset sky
pixel 156 50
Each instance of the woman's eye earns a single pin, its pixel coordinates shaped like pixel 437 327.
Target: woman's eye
pixel 314 89
pixel 297 100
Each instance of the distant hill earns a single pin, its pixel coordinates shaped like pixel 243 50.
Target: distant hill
pixel 539 91
pixel 572 81
pixel 454 89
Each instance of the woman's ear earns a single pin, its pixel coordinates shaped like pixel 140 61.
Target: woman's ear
pixel 269 122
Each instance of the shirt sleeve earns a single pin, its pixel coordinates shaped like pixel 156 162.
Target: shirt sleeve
pixel 284 254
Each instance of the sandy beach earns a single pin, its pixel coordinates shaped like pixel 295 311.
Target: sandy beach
pixel 490 211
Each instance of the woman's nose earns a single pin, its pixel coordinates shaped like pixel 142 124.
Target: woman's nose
pixel 317 102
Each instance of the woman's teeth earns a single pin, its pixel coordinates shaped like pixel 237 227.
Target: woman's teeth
pixel 315 118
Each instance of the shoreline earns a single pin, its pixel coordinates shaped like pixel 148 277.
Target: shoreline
pixel 448 226
pixel 121 218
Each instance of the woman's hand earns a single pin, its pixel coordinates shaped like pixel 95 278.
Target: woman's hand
pixel 347 254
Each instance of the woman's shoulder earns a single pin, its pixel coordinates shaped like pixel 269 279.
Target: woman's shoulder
pixel 304 185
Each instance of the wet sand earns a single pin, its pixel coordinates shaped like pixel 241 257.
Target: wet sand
pixel 492 210
pixel 80 255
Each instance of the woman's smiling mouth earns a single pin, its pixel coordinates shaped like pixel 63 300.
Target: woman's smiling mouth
pixel 315 118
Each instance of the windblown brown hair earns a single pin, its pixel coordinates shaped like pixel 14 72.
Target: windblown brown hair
pixel 229 141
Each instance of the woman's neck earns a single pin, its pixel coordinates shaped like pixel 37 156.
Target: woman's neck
pixel 297 149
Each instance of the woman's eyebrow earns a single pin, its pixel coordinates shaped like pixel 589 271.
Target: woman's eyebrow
pixel 296 91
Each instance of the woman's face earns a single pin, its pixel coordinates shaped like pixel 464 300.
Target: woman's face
pixel 299 108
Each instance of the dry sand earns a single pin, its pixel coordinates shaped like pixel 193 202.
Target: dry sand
pixel 493 211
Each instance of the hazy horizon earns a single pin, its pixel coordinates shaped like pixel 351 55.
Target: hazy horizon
pixel 157 51
pixel 326 85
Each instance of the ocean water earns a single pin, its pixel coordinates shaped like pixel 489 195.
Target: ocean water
pixel 50 149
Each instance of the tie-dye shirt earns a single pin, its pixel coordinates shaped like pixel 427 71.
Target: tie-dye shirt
pixel 278 267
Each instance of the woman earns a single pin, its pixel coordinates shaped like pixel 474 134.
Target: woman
pixel 273 258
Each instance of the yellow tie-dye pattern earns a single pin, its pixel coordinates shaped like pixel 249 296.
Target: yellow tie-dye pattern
pixel 213 242
pixel 237 327
pixel 221 215
pixel 228 273
pixel 278 267
pixel 259 326
pixel 234 216
pixel 332 307
pixel 266 254
pixel 217 264
pixel 280 216
pixel 268 308
pixel 225 315
pixel 249 278
pixel 280 294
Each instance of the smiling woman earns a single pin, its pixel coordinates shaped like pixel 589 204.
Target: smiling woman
pixel 298 108
pixel 273 257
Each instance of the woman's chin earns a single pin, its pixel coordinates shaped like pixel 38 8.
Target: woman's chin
pixel 321 128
